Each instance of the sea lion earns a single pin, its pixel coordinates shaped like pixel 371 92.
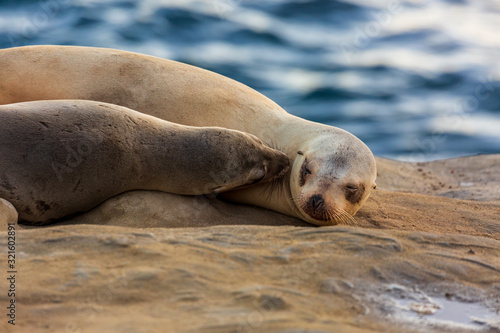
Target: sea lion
pixel 67 156
pixel 333 172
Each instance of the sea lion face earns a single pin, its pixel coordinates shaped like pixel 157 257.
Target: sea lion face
pixel 331 179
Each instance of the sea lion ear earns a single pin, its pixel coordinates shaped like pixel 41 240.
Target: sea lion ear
pixel 300 152
pixel 374 186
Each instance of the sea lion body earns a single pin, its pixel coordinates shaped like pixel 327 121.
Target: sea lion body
pixel 331 178
pixel 67 156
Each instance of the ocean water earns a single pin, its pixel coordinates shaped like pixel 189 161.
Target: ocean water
pixel 414 79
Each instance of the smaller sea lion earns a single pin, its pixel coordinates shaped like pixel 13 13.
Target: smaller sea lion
pixel 67 156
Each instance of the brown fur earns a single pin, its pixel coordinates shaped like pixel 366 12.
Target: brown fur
pixel 64 157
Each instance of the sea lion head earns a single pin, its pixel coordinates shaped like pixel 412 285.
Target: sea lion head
pixel 331 178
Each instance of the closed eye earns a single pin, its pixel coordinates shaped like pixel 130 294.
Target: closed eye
pixel 305 169
pixel 304 172
pixel 352 188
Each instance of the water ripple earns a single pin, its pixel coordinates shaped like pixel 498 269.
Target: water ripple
pixel 393 73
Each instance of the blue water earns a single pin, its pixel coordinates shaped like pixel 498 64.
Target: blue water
pixel 414 79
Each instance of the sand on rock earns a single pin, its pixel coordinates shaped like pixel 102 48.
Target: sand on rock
pixel 423 257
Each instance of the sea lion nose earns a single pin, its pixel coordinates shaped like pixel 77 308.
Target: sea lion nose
pixel 317 201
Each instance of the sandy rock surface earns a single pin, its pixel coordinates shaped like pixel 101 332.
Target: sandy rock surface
pixel 424 257
pixel 470 178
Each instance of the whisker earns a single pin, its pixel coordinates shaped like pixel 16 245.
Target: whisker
pixel 349 217
pixel 343 217
pixel 333 216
